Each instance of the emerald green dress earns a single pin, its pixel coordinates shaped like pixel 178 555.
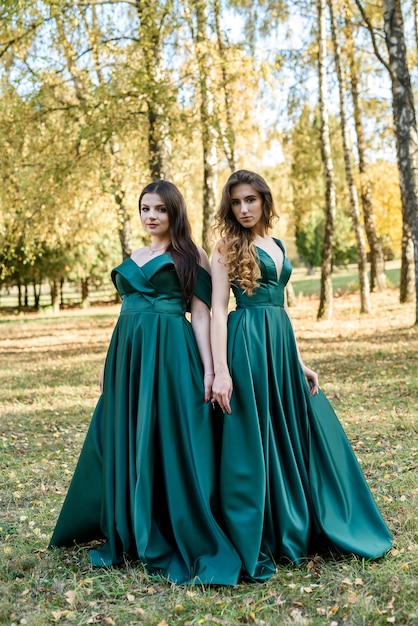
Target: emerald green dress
pixel 290 484
pixel 146 478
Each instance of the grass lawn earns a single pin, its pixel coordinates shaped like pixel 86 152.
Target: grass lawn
pixel 368 367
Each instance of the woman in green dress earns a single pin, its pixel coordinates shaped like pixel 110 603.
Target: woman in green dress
pixel 145 480
pixel 290 485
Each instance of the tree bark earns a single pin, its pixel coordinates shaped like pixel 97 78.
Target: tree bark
pixel 405 123
pixel 159 145
pixel 352 191
pixel 377 260
pixel 407 282
pixel 415 10
pixel 198 29
pixel 85 300
pixel 326 294
pixel 55 296
pixel 227 134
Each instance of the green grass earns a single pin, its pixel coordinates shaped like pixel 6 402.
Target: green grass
pixel 50 366
pixel 344 279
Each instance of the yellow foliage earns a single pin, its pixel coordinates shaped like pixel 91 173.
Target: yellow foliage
pixel 387 203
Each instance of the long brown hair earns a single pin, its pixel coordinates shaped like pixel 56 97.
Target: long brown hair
pixel 237 247
pixel 183 250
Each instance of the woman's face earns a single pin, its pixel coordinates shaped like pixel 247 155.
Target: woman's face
pixel 154 215
pixel 247 206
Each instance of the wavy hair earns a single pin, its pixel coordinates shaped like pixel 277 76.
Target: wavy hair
pixel 183 250
pixel 237 246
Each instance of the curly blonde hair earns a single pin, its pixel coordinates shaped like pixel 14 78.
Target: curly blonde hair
pixel 237 245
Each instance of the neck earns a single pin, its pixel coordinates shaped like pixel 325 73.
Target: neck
pixel 260 233
pixel 157 245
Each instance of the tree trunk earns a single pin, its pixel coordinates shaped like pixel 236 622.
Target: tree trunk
pixel 55 296
pixel 352 191
pixel 227 134
pixel 85 300
pixel 150 34
pixel 405 123
pixel 415 10
pixel 325 303
pixel 407 283
pixel 377 260
pixel 36 295
pixel 124 223
pixel 201 43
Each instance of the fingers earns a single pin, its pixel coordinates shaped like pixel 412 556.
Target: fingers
pixel 313 385
pixel 225 406
pixel 223 399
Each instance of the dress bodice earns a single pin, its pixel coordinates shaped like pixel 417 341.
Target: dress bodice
pixel 271 289
pixel 155 285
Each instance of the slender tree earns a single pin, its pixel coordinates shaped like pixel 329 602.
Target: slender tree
pixel 197 16
pixel 404 119
pixel 354 204
pixel 152 17
pixel 326 295
pixel 227 131
pixel 377 261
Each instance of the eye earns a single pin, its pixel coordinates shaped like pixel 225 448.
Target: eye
pixel 234 202
pixel 144 209
pixel 162 209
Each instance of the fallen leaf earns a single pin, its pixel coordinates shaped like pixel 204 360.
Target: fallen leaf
pixel 70 596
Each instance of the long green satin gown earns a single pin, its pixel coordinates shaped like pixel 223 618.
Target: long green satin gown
pixel 146 478
pixel 290 484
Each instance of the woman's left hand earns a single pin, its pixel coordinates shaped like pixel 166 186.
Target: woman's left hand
pixel 311 378
pixel 208 382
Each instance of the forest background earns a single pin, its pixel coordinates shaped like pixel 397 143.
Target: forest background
pixel 99 97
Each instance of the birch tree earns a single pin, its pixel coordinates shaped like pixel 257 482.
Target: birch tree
pixel 377 262
pixel 197 17
pixel 354 204
pixel 404 118
pixel 326 293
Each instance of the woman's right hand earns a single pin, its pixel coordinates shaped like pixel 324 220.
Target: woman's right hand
pixel 222 391
pixel 101 377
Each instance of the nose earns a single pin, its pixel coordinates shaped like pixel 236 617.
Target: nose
pixel 243 207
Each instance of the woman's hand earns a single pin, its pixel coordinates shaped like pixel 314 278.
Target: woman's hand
pixel 208 383
pixel 311 378
pixel 101 378
pixel 222 391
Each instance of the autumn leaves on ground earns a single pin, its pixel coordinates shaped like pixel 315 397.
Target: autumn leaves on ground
pixel 368 367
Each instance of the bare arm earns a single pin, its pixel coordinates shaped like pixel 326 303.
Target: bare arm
pixel 222 385
pixel 200 319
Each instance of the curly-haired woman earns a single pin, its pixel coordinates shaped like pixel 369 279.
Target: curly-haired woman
pixel 290 485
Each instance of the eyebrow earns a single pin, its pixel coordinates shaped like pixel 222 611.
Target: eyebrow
pixel 157 206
